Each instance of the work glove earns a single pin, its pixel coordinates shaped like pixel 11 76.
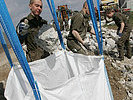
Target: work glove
pixel 120 34
pixel 86 45
pixel 22 31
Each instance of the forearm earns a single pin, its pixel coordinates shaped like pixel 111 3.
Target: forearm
pixel 77 36
pixel 122 27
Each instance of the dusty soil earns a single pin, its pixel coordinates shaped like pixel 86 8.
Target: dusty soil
pixel 119 93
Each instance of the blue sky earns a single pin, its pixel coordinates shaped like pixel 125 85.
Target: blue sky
pixel 19 8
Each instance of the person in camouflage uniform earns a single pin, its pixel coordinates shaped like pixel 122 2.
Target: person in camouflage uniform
pixel 28 28
pixel 124 29
pixel 78 29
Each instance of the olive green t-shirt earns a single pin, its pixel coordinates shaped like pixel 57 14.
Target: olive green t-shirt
pixel 79 23
pixel 119 18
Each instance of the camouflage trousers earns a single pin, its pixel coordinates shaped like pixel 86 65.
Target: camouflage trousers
pixel 75 47
pixel 36 54
pixel 122 42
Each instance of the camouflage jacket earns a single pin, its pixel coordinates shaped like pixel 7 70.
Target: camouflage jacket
pixel 28 28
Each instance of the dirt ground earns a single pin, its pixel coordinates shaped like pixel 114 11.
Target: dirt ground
pixel 114 75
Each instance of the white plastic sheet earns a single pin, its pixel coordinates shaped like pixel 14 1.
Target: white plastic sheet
pixel 61 76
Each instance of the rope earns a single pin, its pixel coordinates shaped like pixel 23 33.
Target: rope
pixel 53 12
pixel 107 79
pixel 93 17
pixel 105 71
pixel 98 7
pixel 9 29
pixel 100 43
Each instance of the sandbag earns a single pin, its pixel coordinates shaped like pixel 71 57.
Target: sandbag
pixel 61 76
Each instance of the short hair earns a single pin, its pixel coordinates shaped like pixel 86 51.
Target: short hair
pixel 109 10
pixel 84 4
pixel 32 1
